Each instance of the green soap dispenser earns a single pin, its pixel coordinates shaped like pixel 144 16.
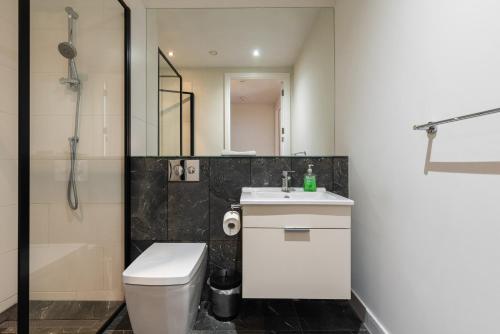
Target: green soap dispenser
pixel 310 180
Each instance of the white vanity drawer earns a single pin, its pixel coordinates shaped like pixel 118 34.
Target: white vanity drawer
pixel 300 264
pixel 311 216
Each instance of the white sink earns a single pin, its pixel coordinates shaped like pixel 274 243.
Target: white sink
pixel 296 196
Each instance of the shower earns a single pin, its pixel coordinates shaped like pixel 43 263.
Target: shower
pixel 68 51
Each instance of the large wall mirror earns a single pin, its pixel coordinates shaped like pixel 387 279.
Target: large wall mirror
pixel 246 81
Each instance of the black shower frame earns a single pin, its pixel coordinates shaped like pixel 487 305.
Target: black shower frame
pixel 24 158
pixel 162 55
pixel 191 116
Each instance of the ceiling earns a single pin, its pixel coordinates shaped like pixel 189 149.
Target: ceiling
pixel 255 91
pixel 279 34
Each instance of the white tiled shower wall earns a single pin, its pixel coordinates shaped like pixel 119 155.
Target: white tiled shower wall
pixel 77 255
pixel 8 153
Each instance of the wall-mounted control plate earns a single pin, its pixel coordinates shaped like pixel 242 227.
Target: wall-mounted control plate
pixel 182 170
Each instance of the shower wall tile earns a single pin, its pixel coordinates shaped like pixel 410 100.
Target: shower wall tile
pixel 44 45
pixel 322 168
pixel 8 90
pixel 8 133
pixel 108 132
pixel 8 153
pixel 106 219
pixel 67 226
pixel 8 228
pixel 105 180
pixel 149 199
pixel 8 279
pixel 50 133
pixel 8 33
pixel 114 259
pixel 8 11
pixel 266 172
pixel 188 208
pixel 8 182
pixel 49 97
pixel 39 223
pixel 104 91
pixel 227 176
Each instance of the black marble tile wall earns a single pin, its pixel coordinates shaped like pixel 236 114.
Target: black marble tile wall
pixel 148 197
pixel 165 211
pixel 266 172
pixel 188 213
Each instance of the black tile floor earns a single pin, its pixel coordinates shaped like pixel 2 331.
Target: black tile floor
pixel 62 317
pixel 271 316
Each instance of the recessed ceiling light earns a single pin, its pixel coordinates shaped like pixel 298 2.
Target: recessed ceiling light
pixel 213 52
pixel 170 53
pixel 256 53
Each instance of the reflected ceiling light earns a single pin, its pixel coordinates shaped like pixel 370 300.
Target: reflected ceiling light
pixel 256 53
pixel 170 53
pixel 213 52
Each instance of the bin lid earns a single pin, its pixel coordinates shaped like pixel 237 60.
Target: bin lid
pixel 166 264
pixel 225 279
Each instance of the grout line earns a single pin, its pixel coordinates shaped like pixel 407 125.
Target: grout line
pixel 301 330
pixel 209 242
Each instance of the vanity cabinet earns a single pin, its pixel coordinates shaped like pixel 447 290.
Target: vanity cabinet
pixel 296 251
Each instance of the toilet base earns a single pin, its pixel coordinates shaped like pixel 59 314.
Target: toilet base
pixel 165 309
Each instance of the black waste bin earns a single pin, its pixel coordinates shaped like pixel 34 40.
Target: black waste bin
pixel 225 294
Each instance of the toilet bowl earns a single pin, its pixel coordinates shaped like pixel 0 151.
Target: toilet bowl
pixel 163 287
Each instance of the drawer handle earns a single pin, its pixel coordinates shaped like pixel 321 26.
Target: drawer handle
pixel 297 229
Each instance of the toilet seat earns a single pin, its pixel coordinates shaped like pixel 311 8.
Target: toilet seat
pixel 166 264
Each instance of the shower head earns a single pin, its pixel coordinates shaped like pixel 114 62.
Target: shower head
pixel 67 50
pixel 71 13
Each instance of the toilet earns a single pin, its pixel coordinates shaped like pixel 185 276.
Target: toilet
pixel 163 287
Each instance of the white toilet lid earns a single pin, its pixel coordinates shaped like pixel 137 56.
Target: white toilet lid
pixel 166 264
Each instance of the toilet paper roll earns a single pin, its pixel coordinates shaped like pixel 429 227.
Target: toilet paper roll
pixel 231 224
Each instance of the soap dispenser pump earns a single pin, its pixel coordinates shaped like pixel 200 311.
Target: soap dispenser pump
pixel 310 180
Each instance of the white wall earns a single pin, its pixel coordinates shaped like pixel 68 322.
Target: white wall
pixel 253 128
pixel 208 87
pixel 425 247
pixel 312 117
pixel 138 77
pixel 8 153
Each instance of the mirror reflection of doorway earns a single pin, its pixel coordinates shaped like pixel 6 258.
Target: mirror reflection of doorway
pixel 257 113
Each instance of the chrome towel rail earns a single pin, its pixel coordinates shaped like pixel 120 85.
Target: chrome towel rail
pixel 431 127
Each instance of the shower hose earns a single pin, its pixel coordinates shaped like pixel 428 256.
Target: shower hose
pixel 72 191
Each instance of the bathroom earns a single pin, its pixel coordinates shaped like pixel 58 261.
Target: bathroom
pixel 190 133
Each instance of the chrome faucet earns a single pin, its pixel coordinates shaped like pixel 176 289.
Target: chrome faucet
pixel 285 179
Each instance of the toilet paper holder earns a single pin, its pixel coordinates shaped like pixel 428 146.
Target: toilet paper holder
pixel 231 224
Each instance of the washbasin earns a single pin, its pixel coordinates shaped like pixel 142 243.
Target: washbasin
pixel 296 196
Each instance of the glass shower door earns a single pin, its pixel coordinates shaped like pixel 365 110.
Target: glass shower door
pixel 77 117
pixel 8 164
